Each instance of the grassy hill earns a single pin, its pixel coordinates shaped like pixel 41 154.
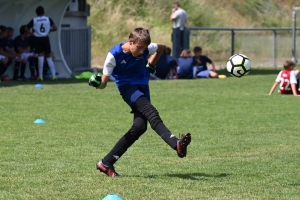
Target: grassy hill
pixel 113 20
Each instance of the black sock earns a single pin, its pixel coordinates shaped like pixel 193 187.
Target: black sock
pixel 138 128
pixel 297 85
pixel 23 68
pixel 16 70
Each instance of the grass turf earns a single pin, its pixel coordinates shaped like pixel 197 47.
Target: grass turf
pixel 245 144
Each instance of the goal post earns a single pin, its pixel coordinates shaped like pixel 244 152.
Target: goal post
pixel 294 24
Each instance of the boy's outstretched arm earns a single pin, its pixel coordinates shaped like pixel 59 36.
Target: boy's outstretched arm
pixel 273 88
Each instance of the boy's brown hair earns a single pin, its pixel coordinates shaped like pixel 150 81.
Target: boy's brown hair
pixel 167 51
pixel 186 53
pixel 288 64
pixel 140 35
pixel 197 49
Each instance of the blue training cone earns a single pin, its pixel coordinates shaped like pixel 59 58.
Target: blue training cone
pixel 39 121
pixel 38 86
pixel 112 197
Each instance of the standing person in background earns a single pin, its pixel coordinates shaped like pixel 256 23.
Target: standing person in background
pixel 179 19
pixel 202 70
pixel 42 26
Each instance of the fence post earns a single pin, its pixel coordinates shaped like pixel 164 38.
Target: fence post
pixel 232 41
pixel 274 48
pixel 186 38
pixel 295 9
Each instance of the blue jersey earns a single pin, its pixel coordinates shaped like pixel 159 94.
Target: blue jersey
pixel 186 67
pixel 127 69
pixel 163 66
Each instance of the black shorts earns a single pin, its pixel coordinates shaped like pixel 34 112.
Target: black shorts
pixel 42 45
pixel 131 93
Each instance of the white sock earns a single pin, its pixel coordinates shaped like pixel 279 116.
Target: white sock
pixel 51 66
pixel 41 66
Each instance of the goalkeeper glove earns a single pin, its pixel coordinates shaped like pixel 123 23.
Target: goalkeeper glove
pixel 151 68
pixel 95 80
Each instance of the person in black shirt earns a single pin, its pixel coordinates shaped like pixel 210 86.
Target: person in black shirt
pixel 165 66
pixel 7 52
pixel 22 47
pixel 202 70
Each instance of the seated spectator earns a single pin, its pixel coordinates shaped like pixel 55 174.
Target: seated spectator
pixel 22 47
pixel 9 38
pixel 33 62
pixel 186 63
pixel 7 52
pixel 165 66
pixel 202 71
pixel 3 62
pixel 288 79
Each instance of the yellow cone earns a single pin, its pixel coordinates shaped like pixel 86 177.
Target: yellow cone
pixel 222 76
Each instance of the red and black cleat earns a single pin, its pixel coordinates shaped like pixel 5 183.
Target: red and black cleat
pixel 109 171
pixel 182 145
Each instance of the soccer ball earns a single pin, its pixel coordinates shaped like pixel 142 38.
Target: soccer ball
pixel 238 65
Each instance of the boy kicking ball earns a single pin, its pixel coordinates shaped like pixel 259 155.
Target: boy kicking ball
pixel 127 63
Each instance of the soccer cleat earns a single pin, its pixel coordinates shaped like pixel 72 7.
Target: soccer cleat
pixel 109 171
pixel 54 78
pixel 39 78
pixel 182 144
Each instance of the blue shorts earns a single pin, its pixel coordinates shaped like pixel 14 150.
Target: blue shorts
pixel 130 93
pixel 204 74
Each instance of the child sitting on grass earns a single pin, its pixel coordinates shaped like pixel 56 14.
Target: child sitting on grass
pixel 288 79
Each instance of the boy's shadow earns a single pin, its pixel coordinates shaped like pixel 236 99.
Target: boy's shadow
pixel 190 176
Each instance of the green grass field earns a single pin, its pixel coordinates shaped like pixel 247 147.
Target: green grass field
pixel 245 144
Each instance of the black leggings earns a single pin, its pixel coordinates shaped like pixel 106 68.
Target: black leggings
pixel 144 111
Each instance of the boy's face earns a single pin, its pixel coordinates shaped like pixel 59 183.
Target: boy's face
pixel 197 53
pixel 137 48
pixel 10 33
pixel 4 34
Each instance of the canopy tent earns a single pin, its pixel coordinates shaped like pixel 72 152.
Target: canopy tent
pixel 14 13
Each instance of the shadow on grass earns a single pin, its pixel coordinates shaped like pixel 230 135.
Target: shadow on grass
pixel 45 82
pixel 190 176
pixel 254 72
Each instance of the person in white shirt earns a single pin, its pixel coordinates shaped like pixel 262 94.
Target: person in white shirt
pixel 179 19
